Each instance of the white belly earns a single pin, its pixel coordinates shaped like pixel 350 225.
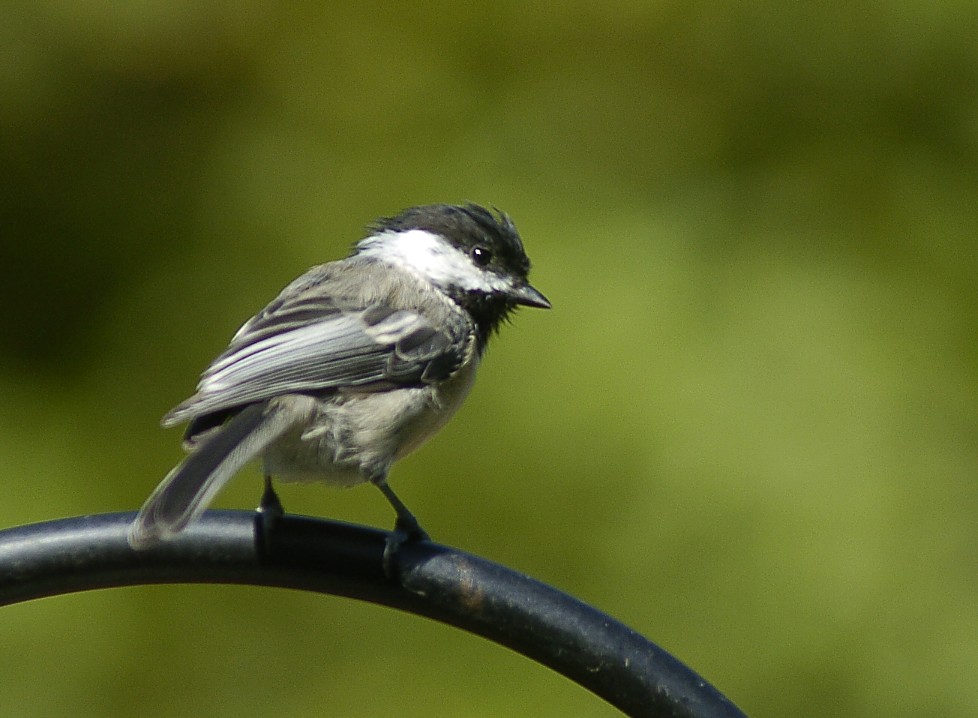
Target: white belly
pixel 355 437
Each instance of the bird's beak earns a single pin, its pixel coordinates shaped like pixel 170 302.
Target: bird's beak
pixel 529 297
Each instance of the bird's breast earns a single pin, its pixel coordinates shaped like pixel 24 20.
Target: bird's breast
pixel 354 437
pixel 440 404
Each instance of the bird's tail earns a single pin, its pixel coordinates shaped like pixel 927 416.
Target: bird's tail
pixel 191 486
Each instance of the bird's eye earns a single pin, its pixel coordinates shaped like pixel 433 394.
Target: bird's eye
pixel 481 256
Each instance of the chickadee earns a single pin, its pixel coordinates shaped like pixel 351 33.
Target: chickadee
pixel 353 366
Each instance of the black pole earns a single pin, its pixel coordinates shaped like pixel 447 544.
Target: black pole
pixel 427 579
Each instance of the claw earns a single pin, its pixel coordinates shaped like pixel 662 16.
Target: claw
pixel 406 530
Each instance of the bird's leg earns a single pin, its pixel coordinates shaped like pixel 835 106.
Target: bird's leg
pixel 406 524
pixel 269 510
pixel 270 503
pixel 406 528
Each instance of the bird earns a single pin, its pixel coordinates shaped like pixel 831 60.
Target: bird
pixel 353 366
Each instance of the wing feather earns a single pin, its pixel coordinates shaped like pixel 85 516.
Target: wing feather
pixel 306 343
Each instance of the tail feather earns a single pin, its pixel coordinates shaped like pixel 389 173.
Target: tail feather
pixel 191 486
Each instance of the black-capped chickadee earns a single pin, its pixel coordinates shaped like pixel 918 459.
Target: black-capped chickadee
pixel 353 366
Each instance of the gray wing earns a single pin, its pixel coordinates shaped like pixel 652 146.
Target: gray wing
pixel 305 342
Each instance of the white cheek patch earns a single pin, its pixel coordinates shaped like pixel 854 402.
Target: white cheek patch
pixel 432 258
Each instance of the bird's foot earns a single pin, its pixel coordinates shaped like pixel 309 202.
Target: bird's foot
pixel 269 511
pixel 406 530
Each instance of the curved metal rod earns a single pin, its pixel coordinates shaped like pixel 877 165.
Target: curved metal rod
pixel 462 590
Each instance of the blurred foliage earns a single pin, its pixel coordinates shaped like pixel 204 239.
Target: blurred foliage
pixel 747 428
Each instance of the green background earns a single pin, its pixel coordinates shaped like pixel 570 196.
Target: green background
pixel 747 428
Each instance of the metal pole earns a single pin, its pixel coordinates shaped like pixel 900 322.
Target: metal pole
pixel 425 578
